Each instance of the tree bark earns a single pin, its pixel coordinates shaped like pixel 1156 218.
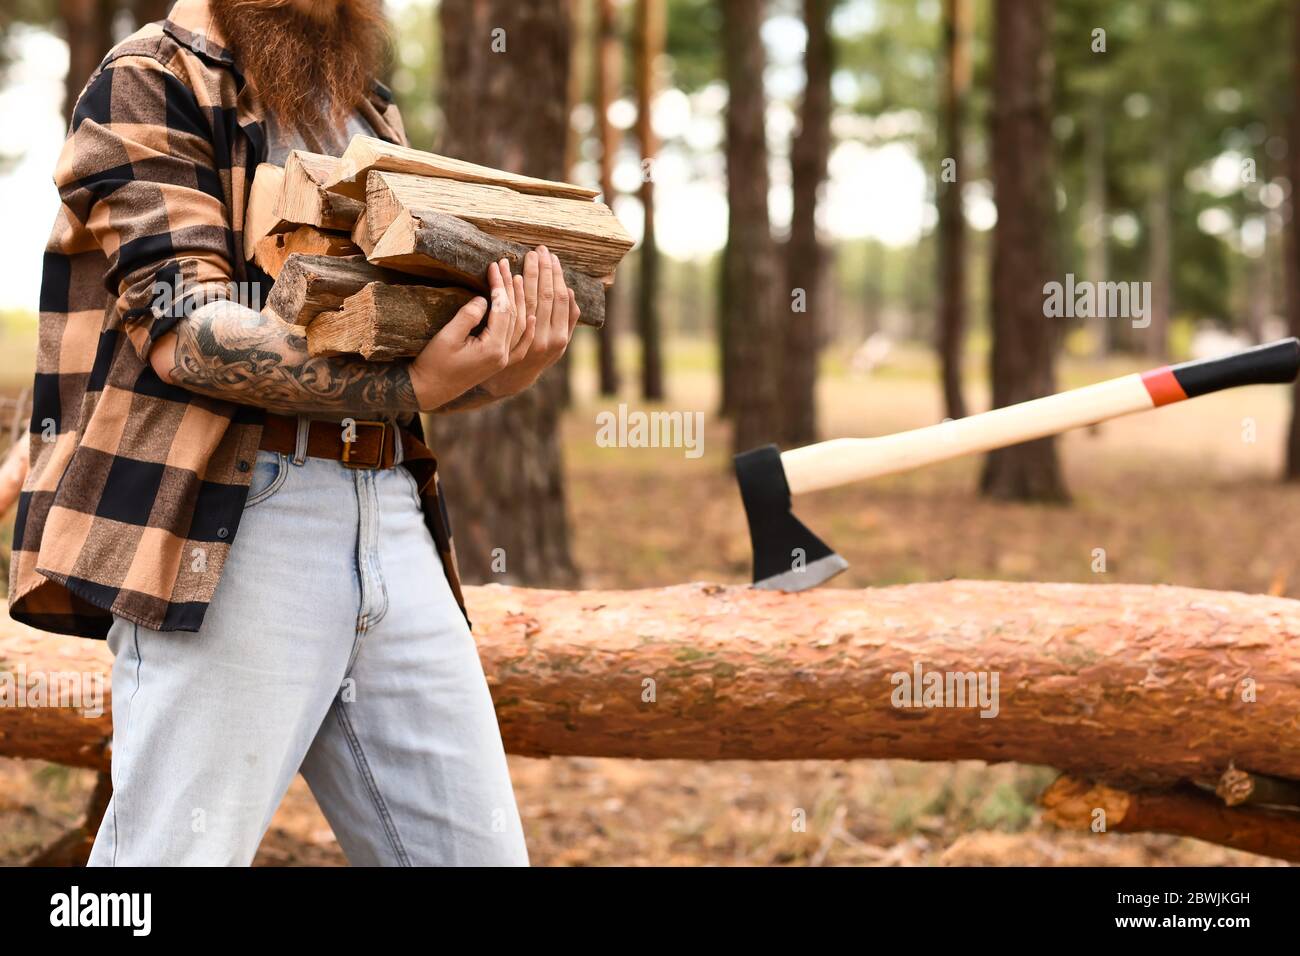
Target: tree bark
pixel 609 76
pixel 1079 805
pixel 753 328
pixel 649 44
pixel 501 466
pixel 449 249
pixel 952 217
pixel 1024 339
pixel 806 258
pixel 1134 685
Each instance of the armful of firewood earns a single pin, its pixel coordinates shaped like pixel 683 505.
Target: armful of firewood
pixel 229 351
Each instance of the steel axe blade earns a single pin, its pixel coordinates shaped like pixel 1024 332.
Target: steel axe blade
pixel 787 556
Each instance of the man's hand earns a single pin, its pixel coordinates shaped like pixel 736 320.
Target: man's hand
pixel 456 361
pixel 551 316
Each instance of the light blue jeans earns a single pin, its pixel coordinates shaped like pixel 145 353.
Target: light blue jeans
pixel 333 646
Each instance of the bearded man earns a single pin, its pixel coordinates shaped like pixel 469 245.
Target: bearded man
pixel 327 636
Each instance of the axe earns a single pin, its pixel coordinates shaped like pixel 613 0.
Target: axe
pixel 789 557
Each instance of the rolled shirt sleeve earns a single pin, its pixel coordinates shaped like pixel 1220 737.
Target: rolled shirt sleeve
pixel 139 173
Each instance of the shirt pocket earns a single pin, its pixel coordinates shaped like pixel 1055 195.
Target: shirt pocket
pixel 269 472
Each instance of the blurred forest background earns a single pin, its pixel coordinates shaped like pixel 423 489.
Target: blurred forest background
pixel 846 212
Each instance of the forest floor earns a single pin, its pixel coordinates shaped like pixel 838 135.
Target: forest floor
pixel 1186 495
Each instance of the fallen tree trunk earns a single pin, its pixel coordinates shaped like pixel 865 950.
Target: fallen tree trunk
pixel 1133 685
pixel 1079 805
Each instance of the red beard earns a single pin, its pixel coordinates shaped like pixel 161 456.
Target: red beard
pixel 300 62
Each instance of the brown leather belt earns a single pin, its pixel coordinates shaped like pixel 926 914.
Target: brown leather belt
pixel 372 444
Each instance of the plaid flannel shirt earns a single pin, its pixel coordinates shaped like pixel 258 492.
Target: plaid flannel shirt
pixel 136 487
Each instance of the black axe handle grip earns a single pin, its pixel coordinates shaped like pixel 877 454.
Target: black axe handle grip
pixel 1273 364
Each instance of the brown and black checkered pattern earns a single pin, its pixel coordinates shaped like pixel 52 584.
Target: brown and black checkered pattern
pixel 136 486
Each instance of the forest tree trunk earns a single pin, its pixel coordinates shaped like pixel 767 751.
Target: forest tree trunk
pixel 609 76
pixel 502 465
pixel 1291 244
pixel 952 217
pixel 148 11
pixel 753 328
pixel 88 28
pixel 1095 222
pixel 806 257
pixel 649 44
pixel 1024 339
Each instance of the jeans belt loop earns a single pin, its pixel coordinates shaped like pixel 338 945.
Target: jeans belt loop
pixel 300 444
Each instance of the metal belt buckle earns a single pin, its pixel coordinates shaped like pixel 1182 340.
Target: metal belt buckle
pixel 350 462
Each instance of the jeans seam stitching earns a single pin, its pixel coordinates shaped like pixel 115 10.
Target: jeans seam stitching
pixel 139 660
pixel 276 483
pixel 376 798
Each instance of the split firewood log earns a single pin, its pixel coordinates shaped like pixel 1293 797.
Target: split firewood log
pixel 309 285
pixel 585 235
pixel 365 153
pixel 448 249
pixel 384 322
pixel 273 250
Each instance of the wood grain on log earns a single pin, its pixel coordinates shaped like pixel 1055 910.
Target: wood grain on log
pixel 309 285
pixel 361 235
pixel 384 322
pixel 260 219
pixel 273 250
pixel 585 235
pixel 1124 683
pixel 439 246
pixel 365 153
pixel 1076 804
pixel 304 199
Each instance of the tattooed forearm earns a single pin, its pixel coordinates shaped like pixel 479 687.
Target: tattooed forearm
pixel 476 397
pixel 230 352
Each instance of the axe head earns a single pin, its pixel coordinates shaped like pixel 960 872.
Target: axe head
pixel 787 556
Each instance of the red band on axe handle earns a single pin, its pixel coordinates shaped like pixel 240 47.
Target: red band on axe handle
pixel 1162 386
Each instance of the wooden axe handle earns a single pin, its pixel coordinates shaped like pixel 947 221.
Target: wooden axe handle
pixel 843 460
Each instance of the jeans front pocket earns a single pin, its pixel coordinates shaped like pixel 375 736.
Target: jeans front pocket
pixel 269 471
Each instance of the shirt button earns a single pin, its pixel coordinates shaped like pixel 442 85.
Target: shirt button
pixel 244 466
pixel 223 533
